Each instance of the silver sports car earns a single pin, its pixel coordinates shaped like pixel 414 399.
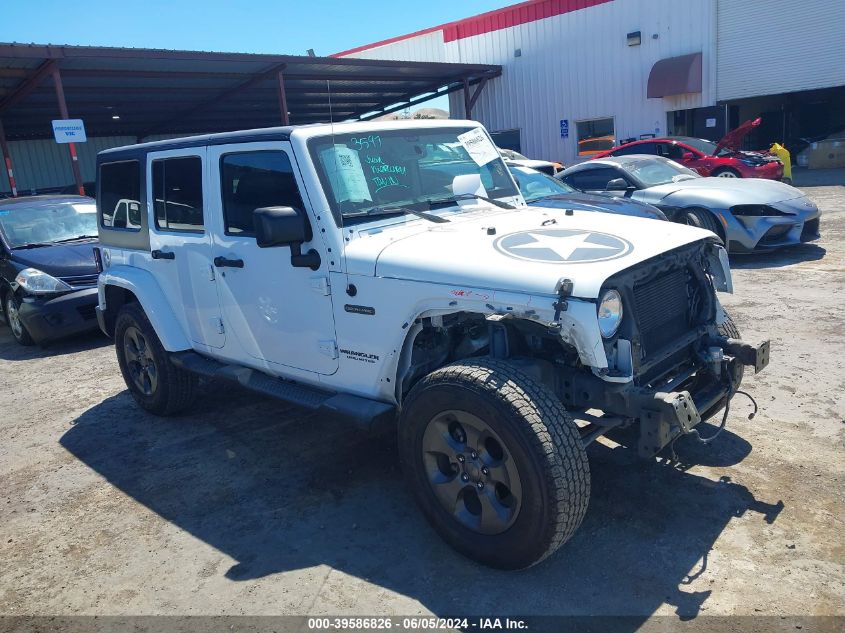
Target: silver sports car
pixel 750 215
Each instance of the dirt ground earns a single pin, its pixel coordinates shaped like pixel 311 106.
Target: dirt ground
pixel 250 507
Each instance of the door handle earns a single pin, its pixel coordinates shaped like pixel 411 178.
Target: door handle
pixel 157 254
pixel 222 262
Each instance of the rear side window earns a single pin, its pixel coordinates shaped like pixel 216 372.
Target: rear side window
pixel 639 148
pixel 177 194
pixel 119 198
pixel 592 179
pixel 251 180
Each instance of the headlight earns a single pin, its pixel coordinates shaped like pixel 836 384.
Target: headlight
pixel 38 282
pixel 756 210
pixel 610 313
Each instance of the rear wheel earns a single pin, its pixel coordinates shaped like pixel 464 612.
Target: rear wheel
pixel 727 172
pixel 153 380
pixel 11 307
pixel 495 462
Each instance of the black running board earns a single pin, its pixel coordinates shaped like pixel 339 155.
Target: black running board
pixel 362 412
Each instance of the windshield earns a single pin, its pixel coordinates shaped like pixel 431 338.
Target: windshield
pixel 510 154
pixel 41 224
pixel 654 171
pixel 382 172
pixel 535 185
pixel 704 146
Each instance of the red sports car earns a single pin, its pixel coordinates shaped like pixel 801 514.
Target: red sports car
pixel 723 159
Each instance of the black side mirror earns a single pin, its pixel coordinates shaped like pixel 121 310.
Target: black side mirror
pixel 286 226
pixel 617 184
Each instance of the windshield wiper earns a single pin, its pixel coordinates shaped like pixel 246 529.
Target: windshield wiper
pixel 78 237
pixel 396 210
pixel 32 245
pixel 470 196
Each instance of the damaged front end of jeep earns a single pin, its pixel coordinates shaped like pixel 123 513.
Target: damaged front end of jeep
pixel 675 358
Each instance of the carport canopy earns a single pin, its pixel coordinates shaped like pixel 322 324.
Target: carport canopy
pixel 148 92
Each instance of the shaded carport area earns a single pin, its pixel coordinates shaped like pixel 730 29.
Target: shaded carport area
pixel 136 94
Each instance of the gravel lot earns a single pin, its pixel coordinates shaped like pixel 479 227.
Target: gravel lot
pixel 251 507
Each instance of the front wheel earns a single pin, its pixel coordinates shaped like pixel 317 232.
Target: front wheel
pixel 13 318
pixel 153 380
pixel 727 172
pixel 495 462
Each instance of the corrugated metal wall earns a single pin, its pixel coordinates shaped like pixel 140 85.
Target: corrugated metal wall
pixel 578 66
pixel 789 45
pixel 44 163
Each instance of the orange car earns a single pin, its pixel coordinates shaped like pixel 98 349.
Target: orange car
pixel 595 145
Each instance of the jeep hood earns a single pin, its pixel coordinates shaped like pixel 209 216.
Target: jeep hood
pixel 525 250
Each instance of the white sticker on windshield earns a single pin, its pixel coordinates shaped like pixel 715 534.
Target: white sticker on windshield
pixel 346 174
pixel 479 147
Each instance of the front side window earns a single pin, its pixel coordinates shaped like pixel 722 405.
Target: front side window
pixel 177 194
pixel 594 136
pixel 390 171
pixel 251 180
pixel 120 195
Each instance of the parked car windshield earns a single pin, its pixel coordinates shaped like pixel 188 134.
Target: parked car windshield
pixel 382 172
pixel 708 148
pixel 42 223
pixel 655 171
pixel 535 185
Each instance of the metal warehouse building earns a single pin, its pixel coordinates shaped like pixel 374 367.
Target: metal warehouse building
pixel 581 74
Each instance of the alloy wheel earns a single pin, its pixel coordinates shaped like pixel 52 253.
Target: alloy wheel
pixel 139 361
pixel 726 174
pixel 471 472
pixel 14 318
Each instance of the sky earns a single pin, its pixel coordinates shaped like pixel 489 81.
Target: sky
pixel 285 27
pixel 288 27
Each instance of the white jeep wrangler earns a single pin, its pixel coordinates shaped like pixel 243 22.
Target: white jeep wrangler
pixel 392 274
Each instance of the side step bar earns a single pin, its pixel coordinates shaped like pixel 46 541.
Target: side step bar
pixel 367 414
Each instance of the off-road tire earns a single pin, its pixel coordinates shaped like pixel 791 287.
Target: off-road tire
pixel 537 432
pixel 175 387
pixel 730 330
pixel 19 333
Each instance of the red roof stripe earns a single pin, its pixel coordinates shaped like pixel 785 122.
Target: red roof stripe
pixel 521 13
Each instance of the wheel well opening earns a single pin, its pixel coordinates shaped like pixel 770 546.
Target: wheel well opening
pixel 435 341
pixel 116 298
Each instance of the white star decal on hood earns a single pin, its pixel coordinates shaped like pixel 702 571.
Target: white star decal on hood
pixel 562 246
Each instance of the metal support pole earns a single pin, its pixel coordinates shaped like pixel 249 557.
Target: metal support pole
pixel 467 100
pixel 283 100
pixel 74 159
pixel 7 159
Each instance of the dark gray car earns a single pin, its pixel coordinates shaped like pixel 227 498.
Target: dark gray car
pixel 749 214
pixel 541 190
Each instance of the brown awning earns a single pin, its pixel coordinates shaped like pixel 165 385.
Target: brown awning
pixel 675 76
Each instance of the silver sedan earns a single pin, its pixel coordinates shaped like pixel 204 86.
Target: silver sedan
pixel 750 215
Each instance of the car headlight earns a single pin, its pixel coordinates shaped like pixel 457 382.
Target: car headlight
pixel 756 210
pixel 38 282
pixel 610 313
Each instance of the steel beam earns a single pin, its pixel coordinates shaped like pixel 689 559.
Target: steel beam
pixel 74 159
pixel 7 160
pixel 28 85
pixel 283 99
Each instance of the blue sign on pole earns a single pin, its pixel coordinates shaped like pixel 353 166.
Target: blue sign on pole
pixel 564 128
